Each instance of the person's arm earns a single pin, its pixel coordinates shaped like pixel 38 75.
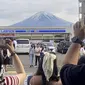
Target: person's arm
pixel 19 68
pixel 71 73
pixel 17 63
pixel 72 54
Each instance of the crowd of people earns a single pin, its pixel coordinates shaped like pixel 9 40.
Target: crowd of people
pixel 71 73
pixel 36 51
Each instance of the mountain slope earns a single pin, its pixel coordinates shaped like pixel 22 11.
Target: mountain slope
pixel 43 19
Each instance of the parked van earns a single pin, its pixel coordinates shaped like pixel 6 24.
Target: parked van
pixel 23 46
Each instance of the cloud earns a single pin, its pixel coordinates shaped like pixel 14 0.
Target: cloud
pixel 12 11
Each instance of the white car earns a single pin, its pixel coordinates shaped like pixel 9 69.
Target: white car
pixel 22 46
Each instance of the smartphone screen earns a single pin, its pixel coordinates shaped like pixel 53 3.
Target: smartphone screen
pixel 2 42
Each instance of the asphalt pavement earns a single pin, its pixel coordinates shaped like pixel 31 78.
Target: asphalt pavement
pixel 25 61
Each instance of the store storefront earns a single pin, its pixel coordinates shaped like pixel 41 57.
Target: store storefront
pixel 44 33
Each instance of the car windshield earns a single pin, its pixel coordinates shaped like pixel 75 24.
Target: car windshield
pixel 68 43
pixel 49 44
pixel 22 42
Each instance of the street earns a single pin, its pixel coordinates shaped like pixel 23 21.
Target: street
pixel 25 61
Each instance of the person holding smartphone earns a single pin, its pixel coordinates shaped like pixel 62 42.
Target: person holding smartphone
pixel 72 73
pixel 17 79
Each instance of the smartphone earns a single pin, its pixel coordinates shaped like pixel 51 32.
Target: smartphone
pixel 83 21
pixel 7 41
pixel 3 43
pixel 82 12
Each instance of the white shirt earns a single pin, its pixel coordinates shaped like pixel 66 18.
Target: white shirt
pixel 37 51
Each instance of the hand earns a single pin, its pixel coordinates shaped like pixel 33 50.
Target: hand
pixel 10 47
pixel 79 31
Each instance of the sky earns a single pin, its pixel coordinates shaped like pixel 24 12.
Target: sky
pixel 13 11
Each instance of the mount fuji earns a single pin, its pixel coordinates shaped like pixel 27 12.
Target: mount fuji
pixel 43 19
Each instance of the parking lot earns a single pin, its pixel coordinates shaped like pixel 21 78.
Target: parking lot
pixel 25 60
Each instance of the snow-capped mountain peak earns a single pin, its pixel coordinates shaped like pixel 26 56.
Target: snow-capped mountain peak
pixel 44 15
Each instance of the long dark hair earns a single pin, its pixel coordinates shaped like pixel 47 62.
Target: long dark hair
pixel 40 71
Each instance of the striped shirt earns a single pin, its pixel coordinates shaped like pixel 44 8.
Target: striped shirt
pixel 11 80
